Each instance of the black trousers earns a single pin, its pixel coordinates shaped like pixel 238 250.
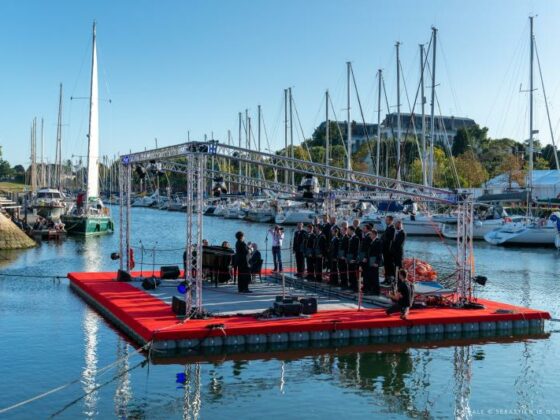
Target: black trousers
pixel 333 275
pixel 397 307
pixel 371 280
pixel 397 260
pixel 310 267
pixel 389 265
pixel 318 266
pixel 353 272
pixel 243 279
pixel 300 262
pixel 343 271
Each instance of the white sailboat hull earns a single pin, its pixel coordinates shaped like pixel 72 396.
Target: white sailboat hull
pixel 480 229
pixel 295 217
pixel 522 235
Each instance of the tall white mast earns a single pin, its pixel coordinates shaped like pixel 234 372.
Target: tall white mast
pixel 291 136
pixel 397 46
pixel 327 140
pixel 239 162
pixel 43 177
pixel 531 130
pixel 349 121
pixel 93 134
pixel 432 106
pixel 58 156
pixel 423 111
pixel 286 131
pixel 378 151
pixel 259 117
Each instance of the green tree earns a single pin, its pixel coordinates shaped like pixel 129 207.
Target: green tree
pixel 470 171
pixel 512 166
pixel 474 138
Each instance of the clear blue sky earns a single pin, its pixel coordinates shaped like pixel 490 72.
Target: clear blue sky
pixel 173 66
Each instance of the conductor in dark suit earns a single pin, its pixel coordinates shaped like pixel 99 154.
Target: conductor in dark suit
pixel 387 240
pixel 242 261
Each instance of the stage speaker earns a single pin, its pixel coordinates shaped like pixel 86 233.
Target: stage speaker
pixel 309 306
pixel 171 272
pixel 287 309
pixel 178 306
pixel 123 276
pixel 150 283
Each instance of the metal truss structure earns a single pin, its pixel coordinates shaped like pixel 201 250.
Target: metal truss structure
pixel 465 257
pixel 191 159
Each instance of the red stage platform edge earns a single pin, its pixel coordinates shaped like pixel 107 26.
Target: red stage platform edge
pixel 146 318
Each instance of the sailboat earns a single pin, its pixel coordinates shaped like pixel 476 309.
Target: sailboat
pixel 531 231
pixel 91 217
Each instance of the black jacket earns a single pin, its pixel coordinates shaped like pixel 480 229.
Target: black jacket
pixel 364 246
pixel 320 245
pixel 299 240
pixel 353 247
pixel 387 238
pixel 241 254
pixel 406 290
pixel 397 246
pixel 375 251
pixel 326 229
pixel 309 244
pixel 334 246
pixel 343 245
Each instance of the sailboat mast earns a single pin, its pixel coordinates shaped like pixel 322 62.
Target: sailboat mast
pixel 348 122
pixel 239 162
pixel 292 136
pixel 286 131
pixel 432 106
pixel 43 182
pixel 423 118
pixel 93 133
pixel 378 151
pixel 58 157
pixel 327 140
pixel 531 131
pixel 397 46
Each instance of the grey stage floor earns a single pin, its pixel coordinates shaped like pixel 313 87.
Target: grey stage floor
pixel 225 299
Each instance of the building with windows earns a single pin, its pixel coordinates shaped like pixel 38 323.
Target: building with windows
pixel 445 128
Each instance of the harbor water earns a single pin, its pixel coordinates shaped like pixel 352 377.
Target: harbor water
pixel 50 337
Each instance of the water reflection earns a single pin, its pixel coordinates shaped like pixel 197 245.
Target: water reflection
pixel 462 372
pixel 89 373
pixel 191 396
pixel 123 390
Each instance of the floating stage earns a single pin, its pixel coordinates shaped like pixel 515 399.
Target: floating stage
pixel 146 316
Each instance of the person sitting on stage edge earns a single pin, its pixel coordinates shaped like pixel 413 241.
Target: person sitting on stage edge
pixel 403 297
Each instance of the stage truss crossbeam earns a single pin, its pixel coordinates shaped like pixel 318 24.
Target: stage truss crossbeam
pixel 357 185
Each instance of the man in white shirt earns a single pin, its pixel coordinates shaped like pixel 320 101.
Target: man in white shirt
pixel 277 234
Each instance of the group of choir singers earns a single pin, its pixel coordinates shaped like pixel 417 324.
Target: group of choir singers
pixel 348 252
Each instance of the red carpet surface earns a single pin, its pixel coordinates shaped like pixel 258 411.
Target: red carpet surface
pixel 152 319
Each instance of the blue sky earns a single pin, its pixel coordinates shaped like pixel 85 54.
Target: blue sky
pixel 175 66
